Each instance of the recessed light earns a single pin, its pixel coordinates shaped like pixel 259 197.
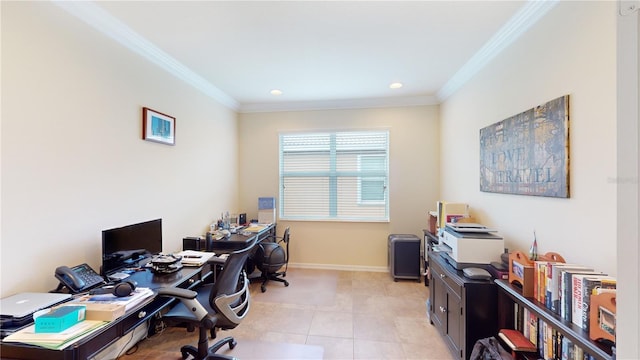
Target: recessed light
pixel 395 85
pixel 276 92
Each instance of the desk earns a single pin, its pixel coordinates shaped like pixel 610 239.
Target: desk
pixel 238 241
pixel 83 349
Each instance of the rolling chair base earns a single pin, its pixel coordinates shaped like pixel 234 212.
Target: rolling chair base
pixel 273 277
pixel 189 350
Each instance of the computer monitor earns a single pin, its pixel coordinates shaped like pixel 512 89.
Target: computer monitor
pixel 130 245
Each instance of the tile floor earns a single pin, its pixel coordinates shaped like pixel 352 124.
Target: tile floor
pixel 324 314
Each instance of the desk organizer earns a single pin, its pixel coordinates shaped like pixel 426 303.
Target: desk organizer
pixel 602 315
pixel 521 270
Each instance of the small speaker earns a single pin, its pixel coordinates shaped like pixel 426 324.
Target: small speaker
pixel 242 219
pixel 192 243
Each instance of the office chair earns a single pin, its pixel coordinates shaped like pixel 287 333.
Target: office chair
pixel 221 305
pixel 270 257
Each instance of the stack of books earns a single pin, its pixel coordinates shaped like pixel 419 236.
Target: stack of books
pixel 56 340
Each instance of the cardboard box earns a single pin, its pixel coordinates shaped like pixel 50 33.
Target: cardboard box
pixel 102 312
pixel 59 319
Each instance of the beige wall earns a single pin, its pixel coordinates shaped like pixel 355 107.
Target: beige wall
pixel 73 162
pixel 564 53
pixel 413 183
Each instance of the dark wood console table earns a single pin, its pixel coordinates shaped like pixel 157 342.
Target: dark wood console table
pixel 463 310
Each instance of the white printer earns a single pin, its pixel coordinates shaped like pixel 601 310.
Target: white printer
pixel 470 245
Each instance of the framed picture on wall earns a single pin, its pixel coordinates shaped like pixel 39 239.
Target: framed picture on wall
pixel 158 127
pixel 528 153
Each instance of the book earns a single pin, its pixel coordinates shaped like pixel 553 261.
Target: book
pixel 194 258
pixel 590 284
pixel 516 340
pixel 548 282
pixel 578 288
pixel 138 296
pixel 566 291
pixel 554 289
pixel 58 340
pixel 538 279
pixel 102 312
pixel 567 349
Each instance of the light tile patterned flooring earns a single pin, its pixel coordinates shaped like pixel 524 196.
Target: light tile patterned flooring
pixel 324 314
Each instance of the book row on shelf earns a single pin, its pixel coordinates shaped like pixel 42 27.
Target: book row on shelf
pixel 549 343
pixel 567 311
pixel 569 290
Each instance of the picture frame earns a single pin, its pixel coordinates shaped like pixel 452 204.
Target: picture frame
pixel 158 127
pixel 528 153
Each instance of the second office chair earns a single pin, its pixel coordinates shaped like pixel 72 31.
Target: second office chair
pixel 270 257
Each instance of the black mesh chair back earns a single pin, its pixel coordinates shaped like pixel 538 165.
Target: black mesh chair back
pixel 221 305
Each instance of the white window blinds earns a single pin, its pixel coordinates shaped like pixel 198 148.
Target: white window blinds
pixel 334 176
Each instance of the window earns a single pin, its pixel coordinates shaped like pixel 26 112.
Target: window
pixel 334 176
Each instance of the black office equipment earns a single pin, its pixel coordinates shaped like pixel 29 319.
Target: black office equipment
pixel 193 243
pixel 270 257
pixel 404 256
pixel 221 305
pixel 121 289
pixel 166 263
pixel 78 278
pixel 130 245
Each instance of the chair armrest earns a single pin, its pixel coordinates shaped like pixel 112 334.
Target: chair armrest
pixel 188 298
pixel 216 260
pixel 177 293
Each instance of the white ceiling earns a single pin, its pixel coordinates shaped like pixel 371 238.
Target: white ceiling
pixel 319 53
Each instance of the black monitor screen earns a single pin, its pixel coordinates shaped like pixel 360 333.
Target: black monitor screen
pixel 126 246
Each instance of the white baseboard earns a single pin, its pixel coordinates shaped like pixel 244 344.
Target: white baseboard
pixel 339 267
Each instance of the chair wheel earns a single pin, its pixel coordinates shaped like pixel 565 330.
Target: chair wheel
pixel 286 283
pixel 233 344
pixel 188 351
pixel 263 288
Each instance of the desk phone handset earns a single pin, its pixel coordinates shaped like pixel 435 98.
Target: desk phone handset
pixel 78 278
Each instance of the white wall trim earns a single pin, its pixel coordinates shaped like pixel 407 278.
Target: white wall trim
pixel 104 22
pixel 338 267
pixel 627 182
pixel 339 104
pixel 509 32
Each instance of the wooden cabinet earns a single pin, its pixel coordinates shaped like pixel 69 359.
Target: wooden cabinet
pixel 462 310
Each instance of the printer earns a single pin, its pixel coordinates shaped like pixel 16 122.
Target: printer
pixel 470 245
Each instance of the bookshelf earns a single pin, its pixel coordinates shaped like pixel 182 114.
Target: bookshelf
pixel 510 297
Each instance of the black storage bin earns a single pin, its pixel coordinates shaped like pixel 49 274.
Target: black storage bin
pixel 404 256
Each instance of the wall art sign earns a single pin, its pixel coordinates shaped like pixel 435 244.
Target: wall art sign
pixel 158 127
pixel 528 154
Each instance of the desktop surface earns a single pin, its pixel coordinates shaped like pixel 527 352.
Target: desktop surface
pixel 241 239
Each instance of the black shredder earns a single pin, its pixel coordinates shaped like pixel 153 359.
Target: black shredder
pixel 404 256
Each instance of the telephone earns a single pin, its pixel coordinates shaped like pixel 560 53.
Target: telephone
pixel 78 278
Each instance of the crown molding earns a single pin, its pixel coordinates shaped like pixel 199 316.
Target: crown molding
pixel 104 22
pixel 530 13
pixel 338 104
